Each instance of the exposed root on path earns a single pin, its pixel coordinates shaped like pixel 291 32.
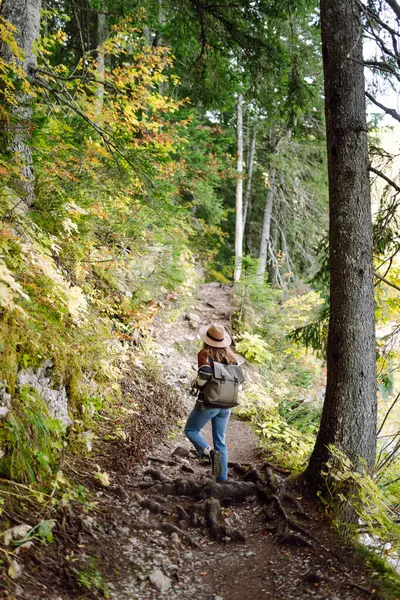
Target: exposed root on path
pixel 167 527
pixel 217 531
pixel 282 510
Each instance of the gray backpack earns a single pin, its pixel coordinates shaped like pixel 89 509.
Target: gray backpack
pixel 222 389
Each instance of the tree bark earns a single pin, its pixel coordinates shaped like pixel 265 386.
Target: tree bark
pixel 272 263
pixel 349 413
pixel 239 192
pixel 101 37
pixel 160 41
pixel 25 16
pixel 250 166
pixel 249 232
pixel 266 228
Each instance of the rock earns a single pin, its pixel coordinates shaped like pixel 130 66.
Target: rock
pixel 188 555
pixel 55 399
pixel 181 451
pixel 218 598
pixel 159 580
pixel 5 402
pixel 174 537
pixel 88 523
pixel 192 317
pixel 187 468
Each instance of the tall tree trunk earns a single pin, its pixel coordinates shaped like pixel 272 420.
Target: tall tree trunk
pixel 101 37
pixel 25 16
pixel 160 41
pixel 239 192
pixel 249 232
pixel 272 262
pixel 349 413
pixel 250 165
pixel 266 228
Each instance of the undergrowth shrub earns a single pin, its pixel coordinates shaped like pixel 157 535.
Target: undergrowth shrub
pixel 32 440
pixel 303 417
pixel 254 348
pixel 283 444
pixel 285 408
pixel 375 507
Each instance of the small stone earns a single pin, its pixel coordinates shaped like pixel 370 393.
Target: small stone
pixel 188 555
pixel 187 468
pixel 192 317
pixel 133 541
pixel 181 451
pixel 218 598
pixel 174 537
pixel 124 530
pixel 159 580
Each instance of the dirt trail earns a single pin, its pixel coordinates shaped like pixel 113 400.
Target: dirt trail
pixel 178 552
pixel 213 304
pixel 164 528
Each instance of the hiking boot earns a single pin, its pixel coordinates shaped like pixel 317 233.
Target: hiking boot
pixel 216 465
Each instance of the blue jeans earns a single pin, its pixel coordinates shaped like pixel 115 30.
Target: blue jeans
pixel 219 420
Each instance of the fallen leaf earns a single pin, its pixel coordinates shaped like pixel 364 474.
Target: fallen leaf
pixel 14 570
pixel 15 533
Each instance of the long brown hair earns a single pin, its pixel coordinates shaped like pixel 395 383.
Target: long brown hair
pixel 220 354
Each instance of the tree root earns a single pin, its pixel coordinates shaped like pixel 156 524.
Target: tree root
pixel 228 492
pixel 155 475
pixel 255 481
pixel 295 539
pixel 218 531
pixel 163 461
pixel 153 506
pixel 166 527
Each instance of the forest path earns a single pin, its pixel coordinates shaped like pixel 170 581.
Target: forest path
pixel 176 549
pixel 178 344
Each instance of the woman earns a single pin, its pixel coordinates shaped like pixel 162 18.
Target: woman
pixel 215 348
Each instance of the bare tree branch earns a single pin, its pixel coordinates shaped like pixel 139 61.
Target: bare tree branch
pixel 385 177
pixel 393 285
pixel 395 6
pixel 389 111
pixel 375 17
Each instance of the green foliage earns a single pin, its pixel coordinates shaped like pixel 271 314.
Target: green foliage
pixel 283 443
pixel 302 417
pixel 90 578
pixel 315 334
pixel 387 578
pixel 373 505
pixel 20 535
pixel 32 440
pixel 285 407
pixel 286 444
pixel 254 348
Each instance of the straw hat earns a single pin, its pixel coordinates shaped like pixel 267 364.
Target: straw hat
pixel 215 335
